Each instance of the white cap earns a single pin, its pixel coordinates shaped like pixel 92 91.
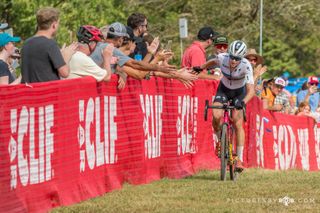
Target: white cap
pixel 280 81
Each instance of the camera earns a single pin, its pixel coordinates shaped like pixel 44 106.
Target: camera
pixel 16 54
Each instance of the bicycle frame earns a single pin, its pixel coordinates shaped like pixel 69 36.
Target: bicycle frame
pixel 227 121
pixel 227 158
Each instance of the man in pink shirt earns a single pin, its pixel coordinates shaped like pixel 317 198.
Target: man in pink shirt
pixel 195 54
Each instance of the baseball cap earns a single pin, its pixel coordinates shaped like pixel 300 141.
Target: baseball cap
pixel 313 80
pixel 5 38
pixel 118 29
pixel 3 26
pixel 221 39
pixel 280 81
pixel 206 33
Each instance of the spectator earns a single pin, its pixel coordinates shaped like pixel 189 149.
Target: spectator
pixel 305 110
pixel 220 45
pixel 283 99
pixel 269 94
pixel 121 59
pixel 7 49
pixel 128 46
pixel 139 24
pixel 310 95
pixel 116 33
pixel 42 59
pixel 256 62
pixel 81 64
pixel 153 46
pixel 195 55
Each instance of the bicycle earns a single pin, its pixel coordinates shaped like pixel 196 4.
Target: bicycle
pixel 227 148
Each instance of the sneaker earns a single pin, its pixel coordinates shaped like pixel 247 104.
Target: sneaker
pixel 217 150
pixel 239 166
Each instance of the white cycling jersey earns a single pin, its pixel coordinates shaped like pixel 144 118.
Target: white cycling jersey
pixel 242 75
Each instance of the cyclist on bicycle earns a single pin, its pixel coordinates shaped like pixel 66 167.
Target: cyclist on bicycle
pixel 236 86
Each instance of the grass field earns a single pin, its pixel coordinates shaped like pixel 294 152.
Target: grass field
pixel 256 190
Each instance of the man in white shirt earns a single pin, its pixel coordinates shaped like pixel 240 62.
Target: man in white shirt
pixel 81 64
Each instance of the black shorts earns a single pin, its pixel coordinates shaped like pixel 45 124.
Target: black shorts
pixel 225 94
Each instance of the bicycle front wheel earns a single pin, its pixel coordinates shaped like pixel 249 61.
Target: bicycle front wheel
pixel 224 151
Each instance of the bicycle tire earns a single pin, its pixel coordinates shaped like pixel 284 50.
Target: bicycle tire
pixel 223 150
pixel 233 174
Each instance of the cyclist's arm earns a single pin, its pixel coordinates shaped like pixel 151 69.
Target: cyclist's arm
pixel 250 92
pixel 143 66
pixel 204 75
pixel 249 84
pixel 212 62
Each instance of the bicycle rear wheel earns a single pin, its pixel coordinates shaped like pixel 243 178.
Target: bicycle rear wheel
pixel 224 151
pixel 233 173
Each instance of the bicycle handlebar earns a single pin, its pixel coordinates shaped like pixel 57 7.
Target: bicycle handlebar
pixel 224 107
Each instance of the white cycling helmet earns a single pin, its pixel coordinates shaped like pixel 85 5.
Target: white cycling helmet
pixel 237 48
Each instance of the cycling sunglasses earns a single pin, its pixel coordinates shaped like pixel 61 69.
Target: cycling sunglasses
pixel 236 58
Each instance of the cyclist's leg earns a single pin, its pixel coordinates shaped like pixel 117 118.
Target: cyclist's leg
pixel 217 114
pixel 237 117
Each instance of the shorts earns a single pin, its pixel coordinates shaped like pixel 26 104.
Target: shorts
pixel 225 94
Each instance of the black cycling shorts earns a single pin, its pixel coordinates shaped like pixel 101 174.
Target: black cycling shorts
pixel 225 94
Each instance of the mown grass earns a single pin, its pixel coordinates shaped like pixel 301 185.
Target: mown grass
pixel 204 192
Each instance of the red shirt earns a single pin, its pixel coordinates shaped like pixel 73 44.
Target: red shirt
pixel 195 55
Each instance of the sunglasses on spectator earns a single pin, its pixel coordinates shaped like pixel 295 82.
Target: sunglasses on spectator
pixel 220 46
pixel 236 58
pixel 279 86
pixel 253 59
pixel 312 84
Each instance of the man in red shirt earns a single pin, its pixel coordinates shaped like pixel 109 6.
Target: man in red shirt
pixel 195 55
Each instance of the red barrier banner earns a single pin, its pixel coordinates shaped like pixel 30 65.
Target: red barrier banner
pixel 281 142
pixel 66 141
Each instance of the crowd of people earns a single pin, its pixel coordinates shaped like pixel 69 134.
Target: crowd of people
pixel 130 51
pixel 113 48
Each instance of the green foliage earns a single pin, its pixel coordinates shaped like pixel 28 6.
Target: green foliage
pixel 280 57
pixel 291 27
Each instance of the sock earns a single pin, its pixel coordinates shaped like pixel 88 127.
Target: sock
pixel 240 152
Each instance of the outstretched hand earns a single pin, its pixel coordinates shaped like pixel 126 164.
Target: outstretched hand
pixel 260 70
pixel 68 51
pixel 164 55
pixel 152 48
pixel 187 74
